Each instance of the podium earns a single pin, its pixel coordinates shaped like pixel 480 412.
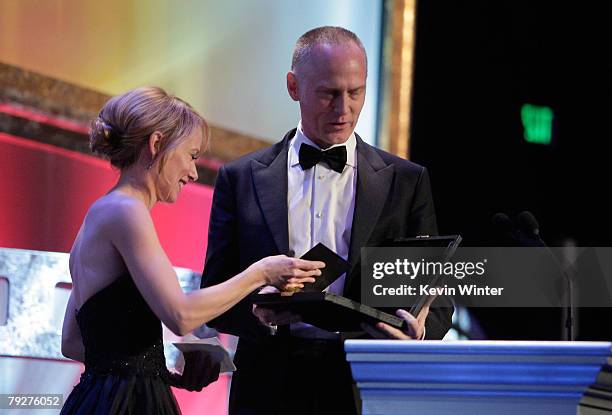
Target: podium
pixel 475 377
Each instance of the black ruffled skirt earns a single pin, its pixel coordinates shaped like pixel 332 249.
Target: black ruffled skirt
pixel 121 395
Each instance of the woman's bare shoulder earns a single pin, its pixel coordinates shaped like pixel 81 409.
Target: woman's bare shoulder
pixel 117 211
pixel 94 259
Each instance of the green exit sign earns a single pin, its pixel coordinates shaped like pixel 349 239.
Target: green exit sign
pixel 537 124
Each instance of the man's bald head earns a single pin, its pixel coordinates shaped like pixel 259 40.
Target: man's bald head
pixel 330 35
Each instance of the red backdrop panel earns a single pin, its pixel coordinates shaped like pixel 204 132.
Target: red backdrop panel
pixel 45 192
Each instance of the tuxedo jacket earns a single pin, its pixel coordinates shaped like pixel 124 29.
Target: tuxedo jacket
pixel 249 221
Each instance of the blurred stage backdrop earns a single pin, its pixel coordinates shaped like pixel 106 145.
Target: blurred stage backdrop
pixel 59 62
pixel 505 102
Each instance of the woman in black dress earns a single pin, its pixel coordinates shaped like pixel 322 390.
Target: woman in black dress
pixel 123 282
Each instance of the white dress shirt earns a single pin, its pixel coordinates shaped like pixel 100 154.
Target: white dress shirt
pixel 321 203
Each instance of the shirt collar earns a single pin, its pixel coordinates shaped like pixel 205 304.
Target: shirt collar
pixel 300 137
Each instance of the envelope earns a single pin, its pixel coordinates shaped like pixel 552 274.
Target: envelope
pixel 212 346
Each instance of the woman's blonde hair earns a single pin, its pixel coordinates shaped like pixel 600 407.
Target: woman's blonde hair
pixel 126 122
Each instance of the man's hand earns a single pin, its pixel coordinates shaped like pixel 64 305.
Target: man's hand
pixel 270 317
pixel 198 373
pixel 415 327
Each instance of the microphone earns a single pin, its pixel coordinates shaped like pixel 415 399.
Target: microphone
pixel 529 224
pixel 502 222
pixel 504 225
pixel 527 234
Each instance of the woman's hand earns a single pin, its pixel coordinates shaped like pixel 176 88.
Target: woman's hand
pixel 198 373
pixel 287 274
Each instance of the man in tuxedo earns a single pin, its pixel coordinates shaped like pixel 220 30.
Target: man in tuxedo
pixel 321 183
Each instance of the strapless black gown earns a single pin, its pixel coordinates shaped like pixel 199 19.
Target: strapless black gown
pixel 125 370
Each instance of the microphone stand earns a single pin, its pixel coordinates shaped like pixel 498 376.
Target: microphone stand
pixel 569 273
pixel 536 240
pixel 529 236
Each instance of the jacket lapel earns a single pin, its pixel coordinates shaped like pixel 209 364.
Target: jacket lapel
pixel 270 180
pixel 374 178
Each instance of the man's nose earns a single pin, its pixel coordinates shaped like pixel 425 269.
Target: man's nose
pixel 341 104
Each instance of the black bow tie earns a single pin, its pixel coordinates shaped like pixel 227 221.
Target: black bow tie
pixel 335 157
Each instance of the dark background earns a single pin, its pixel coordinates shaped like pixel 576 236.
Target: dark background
pixel 476 63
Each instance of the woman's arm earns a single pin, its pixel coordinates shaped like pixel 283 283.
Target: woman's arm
pixel 131 231
pixel 72 343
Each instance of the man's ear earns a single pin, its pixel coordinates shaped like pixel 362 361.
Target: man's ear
pixel 154 144
pixel 292 86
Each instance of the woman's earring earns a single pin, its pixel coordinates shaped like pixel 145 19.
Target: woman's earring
pixel 149 165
